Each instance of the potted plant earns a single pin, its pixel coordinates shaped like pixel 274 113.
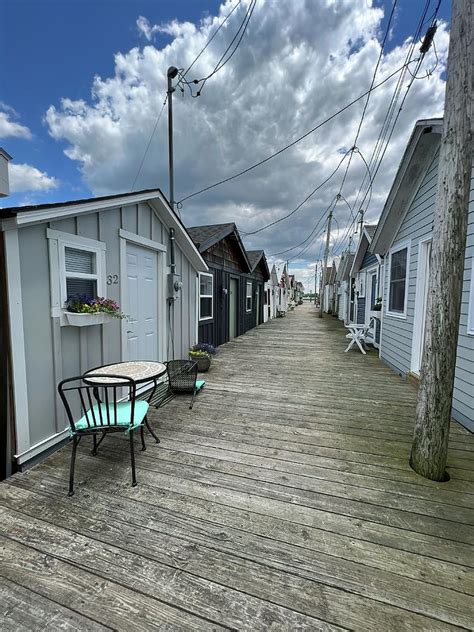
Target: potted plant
pixel 84 310
pixel 377 305
pixel 202 354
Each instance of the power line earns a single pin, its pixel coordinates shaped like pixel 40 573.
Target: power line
pixel 374 74
pixel 390 122
pixel 149 143
pixel 296 141
pixel 185 72
pixel 258 230
pixel 222 61
pixel 273 254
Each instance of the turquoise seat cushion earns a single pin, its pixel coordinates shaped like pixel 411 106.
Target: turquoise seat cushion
pixel 199 384
pixel 124 410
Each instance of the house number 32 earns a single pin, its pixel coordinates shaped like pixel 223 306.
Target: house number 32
pixel 112 279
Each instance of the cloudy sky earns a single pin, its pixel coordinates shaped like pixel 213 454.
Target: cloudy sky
pixel 86 80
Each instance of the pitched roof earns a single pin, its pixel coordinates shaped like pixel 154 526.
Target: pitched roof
pixel 365 240
pixel 345 266
pixel 205 237
pixel 255 257
pixel 416 159
pixel 40 213
pixel 13 210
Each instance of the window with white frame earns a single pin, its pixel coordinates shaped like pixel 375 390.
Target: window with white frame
pixel 77 267
pixel 362 279
pixel 206 287
pixel 248 297
pixel 398 281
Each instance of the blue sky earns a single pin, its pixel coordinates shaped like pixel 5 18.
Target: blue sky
pixel 55 48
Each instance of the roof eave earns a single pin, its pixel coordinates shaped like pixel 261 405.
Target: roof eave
pixel 418 153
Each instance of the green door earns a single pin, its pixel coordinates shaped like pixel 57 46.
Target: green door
pixel 233 296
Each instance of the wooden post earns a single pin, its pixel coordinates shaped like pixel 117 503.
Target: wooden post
pixel 433 415
pixel 325 267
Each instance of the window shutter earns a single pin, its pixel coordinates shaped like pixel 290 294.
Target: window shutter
pixel 79 260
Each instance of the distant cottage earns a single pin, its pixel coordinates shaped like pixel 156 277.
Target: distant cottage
pixel 231 294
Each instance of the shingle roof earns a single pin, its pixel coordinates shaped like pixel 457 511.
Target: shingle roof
pixel 255 256
pixel 206 236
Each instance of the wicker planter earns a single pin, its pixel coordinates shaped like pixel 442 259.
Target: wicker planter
pixel 203 362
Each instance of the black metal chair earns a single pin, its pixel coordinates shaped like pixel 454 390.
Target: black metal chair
pixel 182 378
pixel 102 408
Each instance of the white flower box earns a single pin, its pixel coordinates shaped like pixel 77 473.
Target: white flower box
pixel 85 320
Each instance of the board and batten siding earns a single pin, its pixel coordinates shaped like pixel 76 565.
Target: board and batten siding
pixel 54 352
pixel 397 333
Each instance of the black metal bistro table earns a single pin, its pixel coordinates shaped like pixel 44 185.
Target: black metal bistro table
pixel 140 371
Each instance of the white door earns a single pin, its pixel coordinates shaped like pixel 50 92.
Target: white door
pixel 424 267
pixel 142 303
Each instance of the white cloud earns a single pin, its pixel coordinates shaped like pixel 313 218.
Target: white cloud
pixel 10 128
pixel 298 63
pixel 28 178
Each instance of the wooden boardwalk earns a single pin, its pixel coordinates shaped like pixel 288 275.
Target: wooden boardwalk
pixel 283 501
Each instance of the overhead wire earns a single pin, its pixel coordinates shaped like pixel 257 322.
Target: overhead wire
pixel 182 73
pixel 222 60
pixel 149 143
pixel 185 72
pixel 308 197
pixel 391 119
pixel 274 254
pixel 297 140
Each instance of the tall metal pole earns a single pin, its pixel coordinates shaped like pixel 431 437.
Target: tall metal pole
pixel 325 266
pixel 171 74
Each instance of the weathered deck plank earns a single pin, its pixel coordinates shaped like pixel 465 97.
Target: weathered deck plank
pixel 282 501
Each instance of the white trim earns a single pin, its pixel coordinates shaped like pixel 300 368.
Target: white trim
pixel 247 311
pixel 141 241
pixel 420 296
pixel 368 292
pixel 470 305
pixel 211 296
pixel 161 317
pixel 361 275
pixel 89 206
pixel 57 243
pixel 38 448
pixel 167 217
pixel 17 340
pixel 76 240
pixel 123 296
pixel 401 246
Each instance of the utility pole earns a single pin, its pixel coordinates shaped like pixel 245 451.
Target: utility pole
pixel 325 266
pixel 171 74
pixel 315 280
pixel 433 416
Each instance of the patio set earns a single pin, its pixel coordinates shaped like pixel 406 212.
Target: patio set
pixel 117 398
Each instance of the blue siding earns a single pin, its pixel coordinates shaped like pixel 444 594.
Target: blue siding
pixel 361 310
pixel 397 337
pixel 369 261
